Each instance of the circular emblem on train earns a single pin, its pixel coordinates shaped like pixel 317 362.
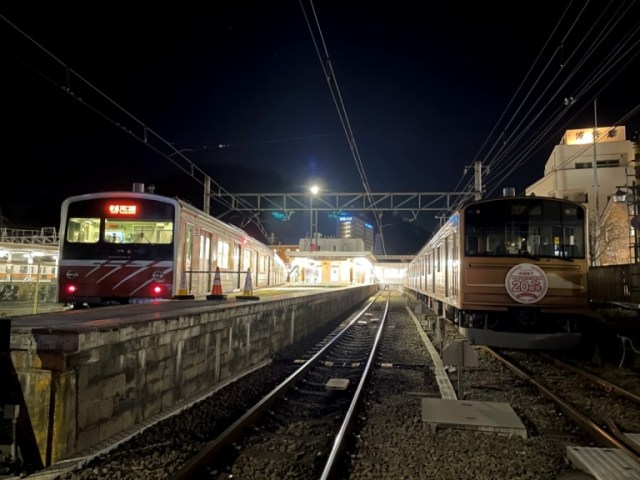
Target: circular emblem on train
pixel 72 274
pixel 526 283
pixel 158 275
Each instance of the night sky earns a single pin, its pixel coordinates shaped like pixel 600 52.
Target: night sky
pixel 428 88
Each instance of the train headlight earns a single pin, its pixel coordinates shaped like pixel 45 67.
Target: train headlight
pixel 156 290
pixel 71 289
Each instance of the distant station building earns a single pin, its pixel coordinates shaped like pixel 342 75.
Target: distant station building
pixel 331 260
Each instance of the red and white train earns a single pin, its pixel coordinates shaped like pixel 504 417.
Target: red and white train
pixel 134 247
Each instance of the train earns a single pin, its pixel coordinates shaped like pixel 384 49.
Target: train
pixel 123 247
pixel 509 272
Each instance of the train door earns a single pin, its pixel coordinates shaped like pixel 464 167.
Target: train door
pixel 224 260
pixel 237 264
pixel 432 271
pixel 438 274
pixel 253 264
pixel 455 265
pixel 187 255
pixel 451 266
pixel 205 263
pixel 447 263
pixel 246 265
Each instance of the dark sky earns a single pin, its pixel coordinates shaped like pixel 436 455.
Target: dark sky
pixel 428 88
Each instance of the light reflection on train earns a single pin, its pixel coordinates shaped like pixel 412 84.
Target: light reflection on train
pixel 132 247
pixel 510 272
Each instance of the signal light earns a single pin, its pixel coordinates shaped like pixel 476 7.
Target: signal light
pixel 71 289
pixel 157 290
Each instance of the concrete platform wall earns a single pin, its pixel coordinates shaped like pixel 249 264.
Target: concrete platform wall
pixel 78 389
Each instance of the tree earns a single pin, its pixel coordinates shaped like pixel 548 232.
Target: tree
pixel 610 238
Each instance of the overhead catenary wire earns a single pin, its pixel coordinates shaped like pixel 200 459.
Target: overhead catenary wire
pixel 590 82
pixel 608 44
pixel 143 133
pixel 327 68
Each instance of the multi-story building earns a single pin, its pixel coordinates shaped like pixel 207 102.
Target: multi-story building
pixel 354 227
pixel 592 172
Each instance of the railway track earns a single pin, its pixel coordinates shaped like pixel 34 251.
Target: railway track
pixel 238 433
pixel 604 410
pixel 299 429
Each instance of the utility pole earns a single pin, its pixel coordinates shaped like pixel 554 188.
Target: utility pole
pixel 477 168
pixel 207 194
pixel 595 180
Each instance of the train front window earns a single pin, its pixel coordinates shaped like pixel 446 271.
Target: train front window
pixel 525 227
pixel 83 230
pixel 138 231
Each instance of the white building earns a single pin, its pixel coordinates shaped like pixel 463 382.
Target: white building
pixel 572 173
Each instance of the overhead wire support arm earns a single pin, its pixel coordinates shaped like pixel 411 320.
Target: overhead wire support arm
pixel 412 202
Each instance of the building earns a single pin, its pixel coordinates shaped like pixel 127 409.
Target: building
pixel 354 227
pixel 589 172
pixel 28 263
pixel 332 260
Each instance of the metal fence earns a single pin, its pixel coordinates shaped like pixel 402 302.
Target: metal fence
pixel 615 283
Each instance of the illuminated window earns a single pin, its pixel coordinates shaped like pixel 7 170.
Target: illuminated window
pixel 144 232
pixel 246 259
pixel 224 251
pixel 83 230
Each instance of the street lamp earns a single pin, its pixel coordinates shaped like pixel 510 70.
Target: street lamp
pixel 312 191
pixel 620 196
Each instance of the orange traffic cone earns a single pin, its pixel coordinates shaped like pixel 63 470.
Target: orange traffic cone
pixel 216 288
pixel 183 293
pixel 247 294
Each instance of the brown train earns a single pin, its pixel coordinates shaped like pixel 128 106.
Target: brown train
pixel 509 272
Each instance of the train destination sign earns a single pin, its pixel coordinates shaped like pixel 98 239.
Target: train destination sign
pixel 122 209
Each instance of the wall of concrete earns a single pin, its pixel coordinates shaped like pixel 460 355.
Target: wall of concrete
pixel 81 388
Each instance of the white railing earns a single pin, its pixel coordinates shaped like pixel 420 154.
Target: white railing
pixel 44 236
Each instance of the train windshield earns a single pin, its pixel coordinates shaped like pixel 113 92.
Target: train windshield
pixel 88 230
pixel 118 228
pixel 525 227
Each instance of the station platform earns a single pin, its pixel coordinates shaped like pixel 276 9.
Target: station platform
pixel 83 376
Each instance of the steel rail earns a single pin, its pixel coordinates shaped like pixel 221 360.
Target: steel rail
pixel 593 429
pixel 347 423
pixel 208 453
pixel 608 386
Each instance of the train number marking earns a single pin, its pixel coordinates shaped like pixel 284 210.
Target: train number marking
pixel 526 283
